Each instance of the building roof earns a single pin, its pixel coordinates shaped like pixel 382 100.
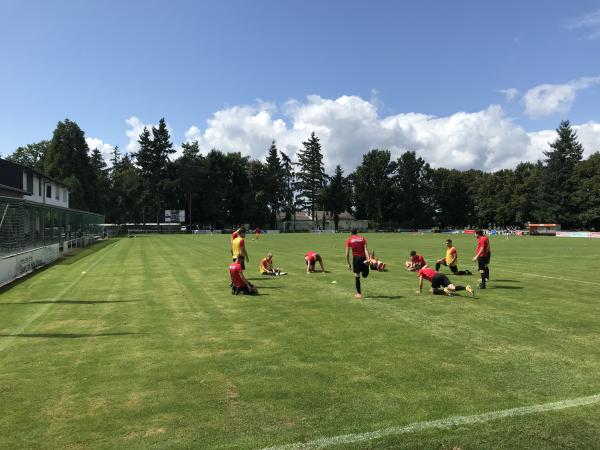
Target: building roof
pixel 31 169
pixel 328 216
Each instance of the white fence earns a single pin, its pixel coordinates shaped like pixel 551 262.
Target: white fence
pixel 19 264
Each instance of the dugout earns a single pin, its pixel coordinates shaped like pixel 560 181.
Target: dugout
pixel 543 229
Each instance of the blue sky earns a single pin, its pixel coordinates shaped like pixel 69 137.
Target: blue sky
pixel 249 67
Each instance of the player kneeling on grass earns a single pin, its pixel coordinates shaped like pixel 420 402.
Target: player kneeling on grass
pixel 450 260
pixel 360 258
pixel 415 263
pixel 376 264
pixel 239 283
pixel 440 283
pixel 311 259
pixel 266 267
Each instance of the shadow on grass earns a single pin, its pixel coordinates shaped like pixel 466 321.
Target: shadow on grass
pixel 68 335
pixel 506 287
pixel 70 302
pixel 385 297
pixel 268 287
pixel 507 281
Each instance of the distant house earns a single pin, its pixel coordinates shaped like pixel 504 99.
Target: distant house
pixel 18 181
pixel 304 222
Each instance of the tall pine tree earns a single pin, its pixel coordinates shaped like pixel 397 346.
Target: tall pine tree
pixel 311 177
pixel 558 187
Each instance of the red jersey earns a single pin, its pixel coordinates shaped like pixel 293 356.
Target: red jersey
pixel 427 273
pixel 311 257
pixel 235 271
pixel 358 244
pixel 418 259
pixel 483 243
pixel 257 230
pixel 234 235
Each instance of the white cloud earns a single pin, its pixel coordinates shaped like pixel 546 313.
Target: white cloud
pixel 105 149
pixel 349 126
pixel 589 22
pixel 510 94
pixel 547 99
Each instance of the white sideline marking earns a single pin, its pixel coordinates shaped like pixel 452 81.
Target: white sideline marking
pixel 440 424
pixel 546 276
pixel 9 340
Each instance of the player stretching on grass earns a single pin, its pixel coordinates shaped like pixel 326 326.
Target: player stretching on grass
pixel 450 260
pixel 360 258
pixel 376 264
pixel 239 283
pixel 440 283
pixel 311 259
pixel 238 248
pixel 266 267
pixel 482 256
pixel 415 263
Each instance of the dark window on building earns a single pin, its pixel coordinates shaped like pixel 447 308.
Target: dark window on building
pixel 40 186
pixel 29 182
pixel 48 191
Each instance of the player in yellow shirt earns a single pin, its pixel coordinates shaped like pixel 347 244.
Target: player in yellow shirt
pixel 450 260
pixel 266 267
pixel 238 249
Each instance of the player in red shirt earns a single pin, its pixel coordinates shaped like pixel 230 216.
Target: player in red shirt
pixel 415 262
pixel 311 259
pixel 257 232
pixel 440 283
pixel 239 283
pixel 482 256
pixel 360 258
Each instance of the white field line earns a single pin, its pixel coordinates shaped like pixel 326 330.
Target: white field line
pixel 9 340
pixel 440 424
pixel 544 276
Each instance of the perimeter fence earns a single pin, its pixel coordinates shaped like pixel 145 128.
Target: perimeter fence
pixel 35 234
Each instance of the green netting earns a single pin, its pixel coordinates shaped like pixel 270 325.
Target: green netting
pixel 25 225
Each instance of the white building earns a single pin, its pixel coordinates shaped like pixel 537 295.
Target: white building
pixel 18 181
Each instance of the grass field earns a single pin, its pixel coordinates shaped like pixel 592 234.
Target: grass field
pixel 148 348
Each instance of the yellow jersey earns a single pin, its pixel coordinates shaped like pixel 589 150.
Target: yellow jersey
pixel 266 265
pixel 237 247
pixel 451 256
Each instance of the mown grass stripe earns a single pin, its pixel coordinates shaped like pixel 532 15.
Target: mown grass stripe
pixel 9 340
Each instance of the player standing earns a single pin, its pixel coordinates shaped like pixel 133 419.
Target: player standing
pixel 482 256
pixel 450 260
pixel 257 232
pixel 360 258
pixel 238 248
pixel 440 282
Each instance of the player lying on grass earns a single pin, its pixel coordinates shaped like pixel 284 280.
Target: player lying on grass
pixel 238 248
pixel 440 283
pixel 415 263
pixel 239 283
pixel 266 267
pixel 450 260
pixel 360 258
pixel 376 264
pixel 311 259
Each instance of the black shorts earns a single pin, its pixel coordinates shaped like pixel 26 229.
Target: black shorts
pixel 359 266
pixel 483 261
pixel 241 290
pixel 439 280
pixel 453 269
pixel 241 261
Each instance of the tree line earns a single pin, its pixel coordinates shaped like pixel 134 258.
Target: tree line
pixel 222 189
